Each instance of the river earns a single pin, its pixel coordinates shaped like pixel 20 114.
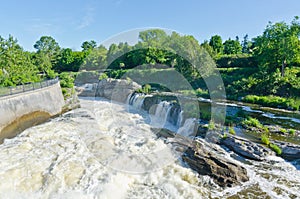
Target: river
pixel 107 150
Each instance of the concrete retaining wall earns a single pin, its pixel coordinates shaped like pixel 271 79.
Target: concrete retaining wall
pixel 48 100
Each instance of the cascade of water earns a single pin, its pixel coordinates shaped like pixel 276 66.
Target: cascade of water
pixel 174 114
pixel 179 119
pixel 188 129
pixel 162 113
pixel 136 100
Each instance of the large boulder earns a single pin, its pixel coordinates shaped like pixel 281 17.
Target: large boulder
pixel 209 159
pixel 246 148
pixel 116 89
pixel 290 151
pixel 206 158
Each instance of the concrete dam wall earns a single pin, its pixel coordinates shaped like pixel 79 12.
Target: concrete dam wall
pixel 23 110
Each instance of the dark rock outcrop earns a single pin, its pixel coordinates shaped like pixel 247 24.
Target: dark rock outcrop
pixel 290 151
pixel 206 159
pixel 246 148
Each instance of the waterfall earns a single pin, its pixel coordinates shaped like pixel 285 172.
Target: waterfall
pixel 162 112
pixel 179 119
pixel 136 100
pixel 188 129
pixel 165 115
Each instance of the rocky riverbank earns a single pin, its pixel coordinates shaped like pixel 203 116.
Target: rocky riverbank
pixel 203 153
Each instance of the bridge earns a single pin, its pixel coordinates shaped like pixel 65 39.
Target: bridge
pixel 27 105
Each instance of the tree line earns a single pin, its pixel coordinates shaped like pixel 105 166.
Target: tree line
pixel 277 48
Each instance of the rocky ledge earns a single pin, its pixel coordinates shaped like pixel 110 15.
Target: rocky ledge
pixel 206 159
pixel 246 148
pixel 116 89
pixel 290 151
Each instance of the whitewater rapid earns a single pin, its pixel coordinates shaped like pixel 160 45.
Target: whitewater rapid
pixel 78 156
pixel 103 151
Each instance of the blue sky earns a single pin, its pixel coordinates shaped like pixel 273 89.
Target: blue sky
pixel 70 22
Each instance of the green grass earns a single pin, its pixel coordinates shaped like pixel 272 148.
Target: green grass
pixel 265 139
pixel 292 132
pixel 231 131
pixel 276 148
pixel 225 136
pixel 273 101
pixel 282 130
pixel 250 121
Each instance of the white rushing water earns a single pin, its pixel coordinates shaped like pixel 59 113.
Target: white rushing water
pixel 114 154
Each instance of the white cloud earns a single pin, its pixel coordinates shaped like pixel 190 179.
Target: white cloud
pixel 40 27
pixel 87 19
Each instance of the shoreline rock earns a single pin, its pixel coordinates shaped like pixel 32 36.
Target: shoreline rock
pixel 290 151
pixel 205 158
pixel 246 148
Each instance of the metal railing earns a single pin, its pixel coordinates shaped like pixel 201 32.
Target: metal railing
pixel 12 90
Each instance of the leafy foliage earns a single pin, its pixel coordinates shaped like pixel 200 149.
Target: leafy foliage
pixel 278 46
pixel 232 47
pixel 16 65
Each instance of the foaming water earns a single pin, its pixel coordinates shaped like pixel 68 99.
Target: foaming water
pixel 188 129
pixel 102 151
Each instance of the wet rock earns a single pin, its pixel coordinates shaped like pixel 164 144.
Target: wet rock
pixel 208 159
pixel 162 132
pixel 246 148
pixel 290 151
pixel 116 89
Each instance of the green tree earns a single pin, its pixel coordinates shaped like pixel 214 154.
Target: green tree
pixel 246 44
pixel 153 37
pixel 232 47
pixel 209 49
pixel 216 43
pixel 96 59
pixel 70 60
pixel 48 50
pixel 48 45
pixel 16 66
pixel 88 45
pixel 278 46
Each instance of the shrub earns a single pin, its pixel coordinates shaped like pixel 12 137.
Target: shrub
pixel 147 88
pixel 292 132
pixel 240 60
pixel 264 139
pixel 66 80
pixel 276 148
pixel 231 130
pixel 250 121
pixel 103 76
pixel 282 130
